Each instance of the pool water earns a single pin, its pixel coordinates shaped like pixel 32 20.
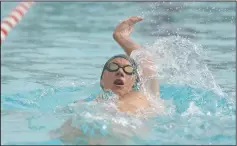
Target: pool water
pixel 55 55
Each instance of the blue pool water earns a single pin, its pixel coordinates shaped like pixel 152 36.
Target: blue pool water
pixel 54 57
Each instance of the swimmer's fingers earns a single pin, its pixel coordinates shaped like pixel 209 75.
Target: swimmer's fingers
pixel 132 20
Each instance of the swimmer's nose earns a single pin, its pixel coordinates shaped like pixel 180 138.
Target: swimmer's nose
pixel 120 73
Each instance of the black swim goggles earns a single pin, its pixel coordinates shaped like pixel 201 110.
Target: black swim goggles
pixel 113 67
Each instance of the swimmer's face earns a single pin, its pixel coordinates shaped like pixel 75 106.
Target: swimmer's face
pixel 118 76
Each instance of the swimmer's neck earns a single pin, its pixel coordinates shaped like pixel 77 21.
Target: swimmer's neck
pixel 123 95
pixel 128 95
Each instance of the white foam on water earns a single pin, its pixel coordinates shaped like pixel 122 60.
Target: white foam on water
pixel 178 61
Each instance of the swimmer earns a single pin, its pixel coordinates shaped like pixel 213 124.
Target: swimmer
pixel 120 75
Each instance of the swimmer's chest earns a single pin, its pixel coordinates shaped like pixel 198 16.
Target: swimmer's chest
pixel 133 102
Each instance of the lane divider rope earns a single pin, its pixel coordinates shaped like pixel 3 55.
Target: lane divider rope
pixel 13 18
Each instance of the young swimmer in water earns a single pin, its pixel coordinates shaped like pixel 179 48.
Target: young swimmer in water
pixel 120 72
pixel 120 75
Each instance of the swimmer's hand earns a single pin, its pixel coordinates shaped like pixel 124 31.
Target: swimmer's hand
pixel 122 33
pixel 125 27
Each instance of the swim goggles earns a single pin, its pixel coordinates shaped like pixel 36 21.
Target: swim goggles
pixel 113 67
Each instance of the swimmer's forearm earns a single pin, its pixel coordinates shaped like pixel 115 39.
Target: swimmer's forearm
pixel 126 43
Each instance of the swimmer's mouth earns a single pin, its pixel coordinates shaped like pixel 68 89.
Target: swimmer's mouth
pixel 118 82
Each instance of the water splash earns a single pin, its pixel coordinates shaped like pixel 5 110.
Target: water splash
pixel 178 61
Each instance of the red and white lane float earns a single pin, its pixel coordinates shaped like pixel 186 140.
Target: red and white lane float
pixel 13 18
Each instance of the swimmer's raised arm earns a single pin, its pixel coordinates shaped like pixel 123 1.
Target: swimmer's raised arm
pixel 122 36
